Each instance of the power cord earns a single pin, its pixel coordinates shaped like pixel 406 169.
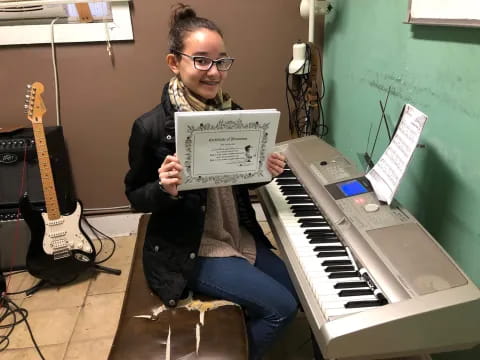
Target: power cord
pixel 9 309
pixel 55 71
pixel 26 291
pixel 100 236
pixel 306 115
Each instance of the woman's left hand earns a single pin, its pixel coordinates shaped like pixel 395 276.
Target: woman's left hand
pixel 276 163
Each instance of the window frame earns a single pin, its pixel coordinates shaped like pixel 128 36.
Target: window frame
pixel 120 28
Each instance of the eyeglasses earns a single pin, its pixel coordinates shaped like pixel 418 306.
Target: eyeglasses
pixel 205 63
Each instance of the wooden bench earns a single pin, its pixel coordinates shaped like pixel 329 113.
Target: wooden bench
pixel 176 333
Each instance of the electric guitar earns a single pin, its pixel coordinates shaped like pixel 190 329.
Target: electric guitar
pixel 59 249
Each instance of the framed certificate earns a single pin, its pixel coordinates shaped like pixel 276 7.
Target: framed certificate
pixel 219 148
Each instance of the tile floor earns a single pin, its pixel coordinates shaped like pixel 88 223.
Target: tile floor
pixel 75 321
pixel 78 321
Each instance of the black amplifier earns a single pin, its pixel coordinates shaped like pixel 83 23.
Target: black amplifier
pixel 19 171
pixel 20 174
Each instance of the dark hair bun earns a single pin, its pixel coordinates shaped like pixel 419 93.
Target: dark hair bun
pixel 181 12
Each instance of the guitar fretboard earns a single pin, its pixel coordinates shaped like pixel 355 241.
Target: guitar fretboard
pixel 48 183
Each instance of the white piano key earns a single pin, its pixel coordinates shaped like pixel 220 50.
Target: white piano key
pixel 330 313
pixel 318 279
pixel 332 301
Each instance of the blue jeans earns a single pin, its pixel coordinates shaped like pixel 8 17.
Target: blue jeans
pixel 264 290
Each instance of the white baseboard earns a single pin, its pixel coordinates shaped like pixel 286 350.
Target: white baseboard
pixel 114 225
pixel 127 224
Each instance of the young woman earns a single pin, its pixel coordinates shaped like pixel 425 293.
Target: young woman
pixel 204 240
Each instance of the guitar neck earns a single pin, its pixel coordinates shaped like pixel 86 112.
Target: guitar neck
pixel 48 183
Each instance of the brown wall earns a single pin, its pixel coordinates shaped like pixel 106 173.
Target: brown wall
pixel 99 101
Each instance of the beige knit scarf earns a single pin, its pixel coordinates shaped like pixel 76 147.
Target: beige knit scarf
pixel 184 100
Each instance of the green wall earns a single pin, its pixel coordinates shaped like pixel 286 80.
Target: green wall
pixel 367 49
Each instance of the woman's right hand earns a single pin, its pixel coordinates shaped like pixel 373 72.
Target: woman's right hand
pixel 169 174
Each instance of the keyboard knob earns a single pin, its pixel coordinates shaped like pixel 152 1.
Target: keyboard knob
pixel 371 207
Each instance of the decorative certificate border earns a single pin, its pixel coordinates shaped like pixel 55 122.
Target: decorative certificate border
pixel 222 125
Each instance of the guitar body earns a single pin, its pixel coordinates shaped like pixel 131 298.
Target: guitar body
pixel 59 249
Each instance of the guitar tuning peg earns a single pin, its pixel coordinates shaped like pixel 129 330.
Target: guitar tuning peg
pixel 27 96
pixel 25 106
pixel 29 86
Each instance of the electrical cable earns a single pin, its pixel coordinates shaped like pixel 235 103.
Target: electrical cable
pixel 10 308
pixel 17 224
pixel 306 115
pixel 13 310
pixel 55 72
pixel 97 232
pixel 23 291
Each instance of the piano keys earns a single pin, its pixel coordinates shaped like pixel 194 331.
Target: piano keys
pixel 372 281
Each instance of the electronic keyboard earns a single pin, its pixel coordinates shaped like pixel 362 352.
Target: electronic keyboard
pixel 372 281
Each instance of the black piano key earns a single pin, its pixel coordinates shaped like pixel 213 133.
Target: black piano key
pixel 346 274
pixel 314 220
pixel 314 225
pixel 289 197
pixel 337 268
pixel 331 237
pixel 299 200
pixel 307 220
pixel 328 234
pixel 291 186
pixel 328 248
pixel 323 238
pixel 286 173
pixel 287 181
pixel 292 197
pixel 319 218
pixel 293 191
pixel 350 284
pixel 319 232
pixel 306 213
pixel 355 292
pixel 331 253
pixel 336 262
pixel 364 303
pixel 303 207
pixel 324 241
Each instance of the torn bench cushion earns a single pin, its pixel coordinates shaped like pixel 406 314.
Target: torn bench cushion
pixel 198 328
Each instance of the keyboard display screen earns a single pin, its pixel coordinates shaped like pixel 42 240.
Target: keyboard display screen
pixel 352 188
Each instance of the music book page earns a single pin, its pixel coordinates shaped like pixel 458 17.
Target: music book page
pixel 387 173
pixel 220 148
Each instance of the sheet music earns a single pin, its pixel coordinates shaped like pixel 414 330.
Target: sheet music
pixel 387 173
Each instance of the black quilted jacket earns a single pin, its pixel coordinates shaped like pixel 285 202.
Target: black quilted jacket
pixel 176 225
